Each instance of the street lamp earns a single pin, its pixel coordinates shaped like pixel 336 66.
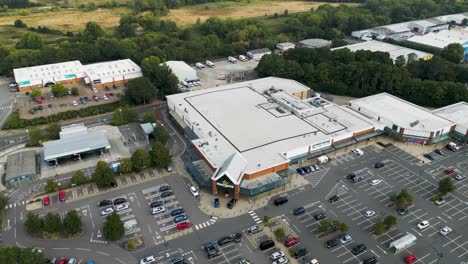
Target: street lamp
pixel 120 111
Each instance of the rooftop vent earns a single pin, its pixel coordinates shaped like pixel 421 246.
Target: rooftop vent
pixel 413 124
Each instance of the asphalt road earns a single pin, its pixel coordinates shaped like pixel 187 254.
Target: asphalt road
pixel 5 100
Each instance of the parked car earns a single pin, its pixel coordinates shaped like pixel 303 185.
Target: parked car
pixel 105 203
pixel 379 165
pixel 120 201
pixel 429 156
pixel 168 168
pixel 216 202
pixel 299 210
pixel 183 225
pixel 164 188
pixel 345 239
pixel 320 216
pixel 105 97
pixel 74 103
pixel 423 225
pixel 301 171
pixel 410 259
pixel 280 200
pixel 177 211
pixel 334 199
pixel 357 179
pixel 50 106
pixel 277 255
pixel 166 194
pixel 107 211
pixel 375 182
pixel 46 201
pixel 194 191
pixel 445 230
pixel 356 250
pixel 62 196
pixel 371 260
pixel 107 88
pixel 231 203
pixel 282 260
pixel 148 260
pixel 200 65
pixel 63 261
pixel 158 210
pixel 225 240
pixel 351 176
pixel 331 243
pixel 254 229
pixel 369 213
pixel 209 64
pixel 301 253
pixel 266 244
pixel 40 107
pixel 440 201
pixel 459 177
pixel 292 241
pixel 180 218
pixel 72 261
pixel 358 152
pixel 449 171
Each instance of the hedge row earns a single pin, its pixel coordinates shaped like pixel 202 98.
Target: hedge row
pixel 14 121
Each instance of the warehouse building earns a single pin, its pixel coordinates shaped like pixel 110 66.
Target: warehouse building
pixel 182 71
pixel 21 166
pixel 457 113
pixel 244 145
pixel 42 75
pixel 285 46
pixel 110 73
pixel 258 53
pixel 443 38
pixel 75 140
pixel 403 120
pixel 394 50
pixel 315 43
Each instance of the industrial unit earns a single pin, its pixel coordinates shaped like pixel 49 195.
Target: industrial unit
pixel 21 166
pixel 111 73
pixel 457 113
pixel 182 71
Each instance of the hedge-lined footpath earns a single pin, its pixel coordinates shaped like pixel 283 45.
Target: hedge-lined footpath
pixel 14 121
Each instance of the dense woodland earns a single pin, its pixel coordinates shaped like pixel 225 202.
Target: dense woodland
pixel 141 35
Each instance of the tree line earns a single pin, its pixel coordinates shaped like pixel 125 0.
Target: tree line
pixel 435 82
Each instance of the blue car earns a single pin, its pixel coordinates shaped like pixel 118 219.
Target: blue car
pixel 429 156
pixel 299 210
pixel 300 171
pixel 180 218
pixel 215 201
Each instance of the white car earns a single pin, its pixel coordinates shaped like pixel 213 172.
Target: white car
pixel 194 191
pixel 459 177
pixel 158 210
pixel 121 207
pixel 95 90
pixel 281 260
pixel 440 201
pixel 358 152
pixel 423 225
pixel 107 211
pixel 277 255
pixel 72 261
pixel 105 97
pixel 444 231
pixel 74 103
pixel 314 261
pixel 369 213
pixel 375 182
pixel 148 260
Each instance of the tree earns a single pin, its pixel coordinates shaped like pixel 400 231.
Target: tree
pixel 389 221
pixel 159 155
pixel 113 227
pixel 78 178
pixel 140 160
pixel 124 115
pixel 72 223
pixel 404 193
pixel 36 92
pixel 125 166
pixel 401 202
pixel 279 233
pixel 379 227
pixel 400 61
pixel 465 22
pixel 324 226
pixel 53 131
pixel 53 223
pixel 75 91
pixel 33 223
pixel 103 175
pixel 161 134
pixel 92 32
pixel 30 40
pixel 19 255
pixel 286 12
pixel 3 201
pixel 141 91
pixel 19 23
pixel 343 227
pixel 51 185
pixel 36 135
pixel 446 185
pixel 160 75
pixel 149 117
pixel 453 53
pixel 59 90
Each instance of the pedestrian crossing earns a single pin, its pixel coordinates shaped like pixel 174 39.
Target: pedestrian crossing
pixel 255 217
pixel 13 205
pixel 206 223
pixel 98 241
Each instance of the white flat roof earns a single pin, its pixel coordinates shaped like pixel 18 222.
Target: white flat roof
pixel 36 75
pixel 113 69
pixel 182 70
pixel 393 50
pixel 261 129
pixel 457 113
pixel 442 38
pixel 400 112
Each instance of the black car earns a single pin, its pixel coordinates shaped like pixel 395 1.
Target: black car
pixel 429 156
pixel 35 108
pixel 299 210
pixel 156 204
pixel 114 184
pixel 237 237
pixel 114 86
pixel 333 199
pixel 40 107
pixel 402 211
pixel 86 98
pixel 331 243
pixel 50 106
pixel 350 176
pixel 320 216
pixel 166 194
pixel 371 260
pixel 107 88
pixel 164 188
pixel 379 165
pixel 177 211
pixel 120 201
pixel 439 151
pixel 280 201
pixel 216 202
pixel 225 240
pixel 358 249
pixel 231 203
pixel 105 203
pixel 300 253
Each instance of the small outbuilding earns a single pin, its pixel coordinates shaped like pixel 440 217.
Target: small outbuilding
pixel 21 166
pixel 402 243
pixel 285 46
pixel 182 71
pixel 258 53
pixel 315 43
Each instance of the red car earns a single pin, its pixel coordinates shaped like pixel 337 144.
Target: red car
pixel 46 201
pixel 292 241
pixel 183 225
pixel 63 261
pixel 410 259
pixel 62 196
pixel 449 171
pixel 107 94
pixel 96 98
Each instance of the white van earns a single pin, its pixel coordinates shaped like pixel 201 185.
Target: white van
pixel 209 64
pixel 200 65
pixel 232 59
pixel 358 152
pixel 242 58
pixel 323 159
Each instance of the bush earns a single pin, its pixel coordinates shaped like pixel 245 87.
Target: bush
pixel 279 233
pixel 324 226
pixel 133 243
pixel 436 197
pixel 379 227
